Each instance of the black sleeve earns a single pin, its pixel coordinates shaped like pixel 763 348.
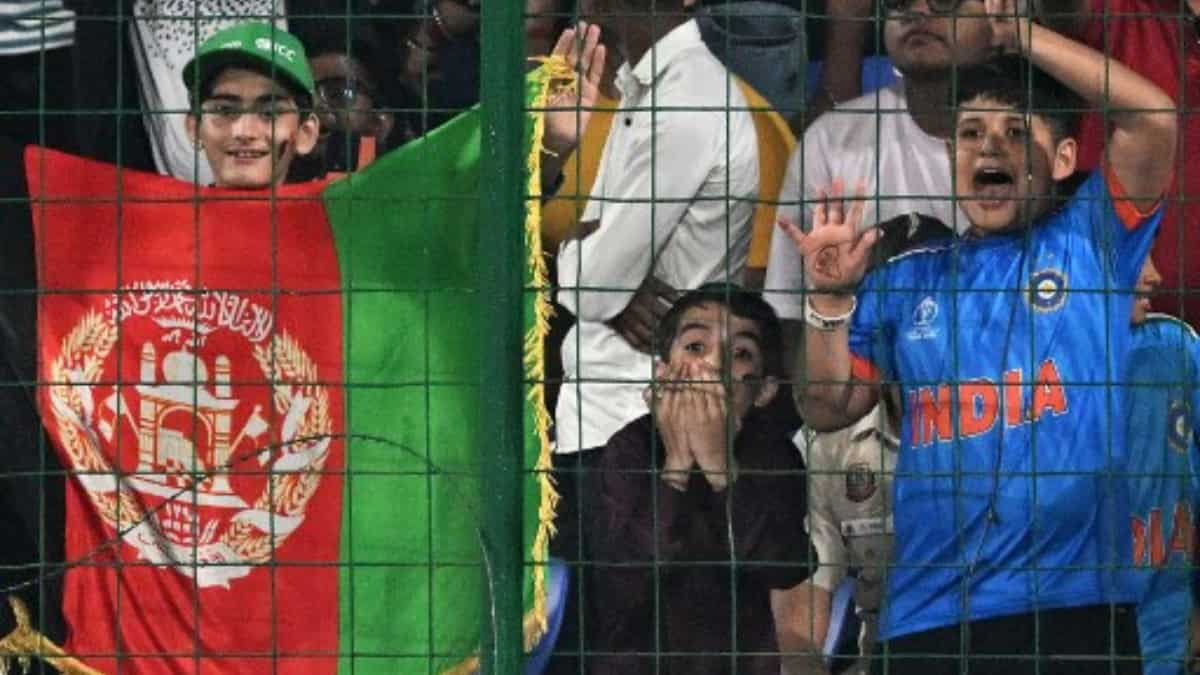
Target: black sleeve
pixel 31 477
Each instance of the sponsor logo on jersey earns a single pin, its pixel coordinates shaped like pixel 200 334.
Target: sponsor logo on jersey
pixel 860 482
pixel 1179 425
pixel 1048 290
pixel 979 402
pixel 924 320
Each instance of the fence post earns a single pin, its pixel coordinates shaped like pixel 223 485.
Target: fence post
pixel 501 247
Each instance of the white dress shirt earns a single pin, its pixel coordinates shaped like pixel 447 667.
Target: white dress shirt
pixel 850 478
pixel 871 138
pixel 674 197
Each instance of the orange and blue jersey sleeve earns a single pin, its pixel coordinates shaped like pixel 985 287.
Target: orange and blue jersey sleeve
pixel 1101 210
pixel 871 328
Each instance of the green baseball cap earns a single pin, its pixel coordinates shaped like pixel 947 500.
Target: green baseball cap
pixel 263 45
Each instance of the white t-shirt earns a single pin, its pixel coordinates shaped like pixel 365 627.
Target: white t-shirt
pixel 674 197
pixel 165 35
pixel 870 138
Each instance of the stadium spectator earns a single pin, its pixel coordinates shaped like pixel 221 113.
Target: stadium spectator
pixel 894 138
pixel 850 487
pixel 441 61
pixel 1009 513
pixel 253 92
pixel 764 44
pixel 1163 380
pixel 1159 39
pixel 849 520
pixel 352 101
pixel 668 491
pixel 671 206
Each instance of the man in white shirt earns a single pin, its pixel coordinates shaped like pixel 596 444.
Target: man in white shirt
pixel 671 205
pixel 896 137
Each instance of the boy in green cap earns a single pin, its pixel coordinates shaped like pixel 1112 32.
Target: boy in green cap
pixel 252 94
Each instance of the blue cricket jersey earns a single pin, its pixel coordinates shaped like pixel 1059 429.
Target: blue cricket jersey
pixel 1008 350
pixel 1164 371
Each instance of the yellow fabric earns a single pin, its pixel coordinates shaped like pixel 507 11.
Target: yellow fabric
pixel 560 215
pixel 775 144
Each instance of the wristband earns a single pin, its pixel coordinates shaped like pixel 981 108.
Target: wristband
pixel 827 323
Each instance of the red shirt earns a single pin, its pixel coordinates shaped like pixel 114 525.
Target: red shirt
pixel 1153 39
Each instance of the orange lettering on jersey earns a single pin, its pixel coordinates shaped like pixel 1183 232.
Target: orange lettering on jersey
pixel 1139 540
pixel 979 406
pixel 934 415
pixel 1181 530
pixel 1158 550
pixel 1013 398
pixel 1048 393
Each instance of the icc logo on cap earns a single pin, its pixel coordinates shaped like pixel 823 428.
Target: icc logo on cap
pixel 283 50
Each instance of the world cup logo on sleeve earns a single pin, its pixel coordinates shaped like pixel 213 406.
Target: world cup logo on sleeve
pixel 198 427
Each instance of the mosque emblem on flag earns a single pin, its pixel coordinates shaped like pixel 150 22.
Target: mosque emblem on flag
pixel 1179 425
pixel 204 449
pixel 1048 290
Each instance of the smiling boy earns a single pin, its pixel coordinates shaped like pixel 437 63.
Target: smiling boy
pixel 1010 499
pixel 252 91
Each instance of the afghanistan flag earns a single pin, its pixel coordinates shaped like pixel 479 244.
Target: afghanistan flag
pixel 266 404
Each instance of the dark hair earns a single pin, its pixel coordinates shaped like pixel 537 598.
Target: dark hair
pixel 360 40
pixel 741 303
pixel 1014 81
pixel 209 81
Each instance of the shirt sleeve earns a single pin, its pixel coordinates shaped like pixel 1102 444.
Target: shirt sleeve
pixel 808 171
pixel 667 164
pixel 822 523
pixel 870 330
pixel 1101 211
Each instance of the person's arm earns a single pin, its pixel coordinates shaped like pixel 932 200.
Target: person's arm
pixel 837 388
pixel 1141 149
pixel 797 612
pixel 598 275
pixel 847 26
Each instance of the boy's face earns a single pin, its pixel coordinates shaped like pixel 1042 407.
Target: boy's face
pixel 1148 281
pixel 250 129
pixel 920 40
pixel 1006 164
pixel 715 342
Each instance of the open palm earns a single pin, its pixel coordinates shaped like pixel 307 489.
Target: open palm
pixel 569 110
pixel 835 254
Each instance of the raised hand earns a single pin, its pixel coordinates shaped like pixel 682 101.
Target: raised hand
pixel 1011 24
pixel 835 254
pixel 569 110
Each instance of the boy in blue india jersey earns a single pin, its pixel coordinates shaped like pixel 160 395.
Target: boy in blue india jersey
pixel 1012 550
pixel 1163 381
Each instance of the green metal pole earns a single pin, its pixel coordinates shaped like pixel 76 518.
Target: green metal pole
pixel 501 250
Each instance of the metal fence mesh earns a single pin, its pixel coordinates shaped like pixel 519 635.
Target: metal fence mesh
pixel 363 359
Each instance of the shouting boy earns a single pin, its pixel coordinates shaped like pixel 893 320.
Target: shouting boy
pixel 1010 494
